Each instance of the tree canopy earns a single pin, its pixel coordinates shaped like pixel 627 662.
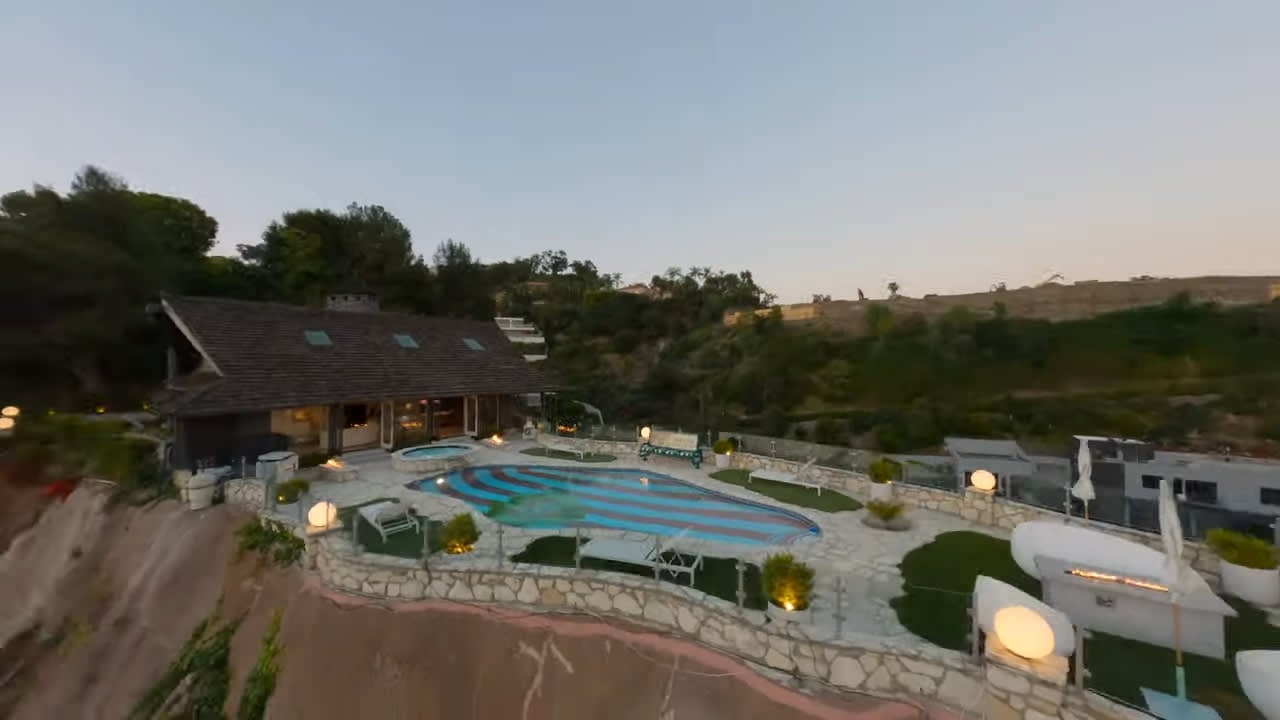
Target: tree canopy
pixel 77 270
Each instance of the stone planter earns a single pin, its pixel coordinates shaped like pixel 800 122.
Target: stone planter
pixel 200 490
pixel 723 460
pixel 882 492
pixel 779 615
pixel 1258 587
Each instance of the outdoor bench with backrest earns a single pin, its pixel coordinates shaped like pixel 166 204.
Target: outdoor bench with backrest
pixel 672 444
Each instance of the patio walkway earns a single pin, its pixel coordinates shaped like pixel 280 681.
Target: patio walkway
pixel 863 559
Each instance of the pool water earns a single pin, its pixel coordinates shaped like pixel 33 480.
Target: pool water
pixel 437 451
pixel 547 497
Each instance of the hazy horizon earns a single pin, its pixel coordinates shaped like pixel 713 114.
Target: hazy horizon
pixel 825 146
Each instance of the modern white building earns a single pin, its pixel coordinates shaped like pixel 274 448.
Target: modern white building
pixel 526 336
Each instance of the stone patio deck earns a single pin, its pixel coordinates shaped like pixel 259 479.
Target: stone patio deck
pixel 862 559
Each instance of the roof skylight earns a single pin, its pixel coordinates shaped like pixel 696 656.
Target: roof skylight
pixel 317 338
pixel 473 343
pixel 406 341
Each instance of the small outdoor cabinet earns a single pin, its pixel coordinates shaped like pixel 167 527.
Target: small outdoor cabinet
pixel 1138 608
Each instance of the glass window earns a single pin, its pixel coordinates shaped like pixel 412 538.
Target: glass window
pixel 406 341
pixel 1269 496
pixel 1202 491
pixel 473 344
pixel 1151 482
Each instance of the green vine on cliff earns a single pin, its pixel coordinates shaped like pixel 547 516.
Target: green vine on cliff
pixel 261 682
pixel 272 540
pixel 197 683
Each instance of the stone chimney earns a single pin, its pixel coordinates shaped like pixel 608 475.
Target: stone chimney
pixel 352 302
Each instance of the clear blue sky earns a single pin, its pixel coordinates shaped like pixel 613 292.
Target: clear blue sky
pixel 824 145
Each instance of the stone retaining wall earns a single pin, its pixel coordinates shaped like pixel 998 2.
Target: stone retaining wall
pixel 874 666
pixel 247 493
pixel 975 506
pixel 618 448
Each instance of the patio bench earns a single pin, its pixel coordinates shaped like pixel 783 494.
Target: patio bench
pixel 672 444
pixel 804 476
pixel 554 443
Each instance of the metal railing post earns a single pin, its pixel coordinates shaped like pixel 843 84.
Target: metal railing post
pixel 975 632
pixel 500 553
pixel 839 616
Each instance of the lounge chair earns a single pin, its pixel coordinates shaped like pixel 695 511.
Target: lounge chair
pixel 389 518
pixel 553 444
pixel 804 476
pixel 636 552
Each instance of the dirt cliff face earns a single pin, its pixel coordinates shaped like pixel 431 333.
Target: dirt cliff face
pixel 113 595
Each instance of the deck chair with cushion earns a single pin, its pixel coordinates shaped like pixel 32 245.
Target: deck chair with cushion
pixel 646 554
pixel 389 518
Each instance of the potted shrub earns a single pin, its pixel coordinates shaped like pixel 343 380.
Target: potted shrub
pixel 886 515
pixel 1249 566
pixel 460 534
pixel 882 473
pixel 788 584
pixel 724 452
pixel 289 491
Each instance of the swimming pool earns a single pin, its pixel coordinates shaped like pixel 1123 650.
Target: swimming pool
pixel 551 497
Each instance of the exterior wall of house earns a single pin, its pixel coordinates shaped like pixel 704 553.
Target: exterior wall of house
pixel 224 439
pixel 1238 484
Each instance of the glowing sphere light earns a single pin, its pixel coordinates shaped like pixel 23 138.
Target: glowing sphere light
pixel 983 480
pixel 323 514
pixel 1024 632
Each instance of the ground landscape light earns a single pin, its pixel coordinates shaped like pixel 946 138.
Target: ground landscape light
pixel 983 480
pixel 10 411
pixel 644 433
pixel 322 514
pixel 1024 632
pixel 6 423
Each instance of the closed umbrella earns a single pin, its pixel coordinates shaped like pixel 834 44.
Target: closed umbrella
pixel 1083 489
pixel 1176 574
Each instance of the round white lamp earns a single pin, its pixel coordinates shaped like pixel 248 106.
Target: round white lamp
pixel 6 423
pixel 323 514
pixel 10 411
pixel 983 480
pixel 1024 632
pixel 644 433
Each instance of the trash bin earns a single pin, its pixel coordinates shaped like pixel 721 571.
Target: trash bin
pixel 276 467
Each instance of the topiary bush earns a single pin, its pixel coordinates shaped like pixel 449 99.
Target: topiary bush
pixel 788 583
pixel 460 534
pixel 885 510
pixel 1244 550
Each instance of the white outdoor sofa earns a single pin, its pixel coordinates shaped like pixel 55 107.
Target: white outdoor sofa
pixel 804 476
pixel 647 554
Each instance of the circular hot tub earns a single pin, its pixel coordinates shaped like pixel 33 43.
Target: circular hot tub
pixel 431 458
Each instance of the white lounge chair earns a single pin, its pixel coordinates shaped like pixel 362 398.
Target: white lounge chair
pixel 389 518
pixel 563 447
pixel 636 552
pixel 803 476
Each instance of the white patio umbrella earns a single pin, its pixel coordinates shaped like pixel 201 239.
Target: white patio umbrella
pixel 1083 489
pixel 1176 574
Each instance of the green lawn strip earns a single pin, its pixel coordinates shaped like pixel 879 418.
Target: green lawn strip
pixel 560 455
pixel 717 576
pixel 402 544
pixel 798 495
pixel 938 581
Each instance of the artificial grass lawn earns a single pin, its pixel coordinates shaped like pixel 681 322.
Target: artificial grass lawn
pixel 938 584
pixel 558 455
pixel 405 544
pixel 717 576
pixel 798 495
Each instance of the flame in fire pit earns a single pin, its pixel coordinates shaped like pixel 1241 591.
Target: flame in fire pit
pixel 334 464
pixel 496 439
pixel 1107 577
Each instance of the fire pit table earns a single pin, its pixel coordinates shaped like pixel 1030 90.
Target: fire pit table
pixel 336 469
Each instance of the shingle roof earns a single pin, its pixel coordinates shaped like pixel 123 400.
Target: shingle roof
pixel 266 362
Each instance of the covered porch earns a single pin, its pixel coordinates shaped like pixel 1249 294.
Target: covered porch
pixel 391 424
